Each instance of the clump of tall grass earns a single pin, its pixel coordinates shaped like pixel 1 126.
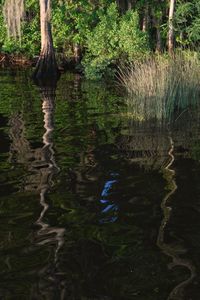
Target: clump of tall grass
pixel 159 86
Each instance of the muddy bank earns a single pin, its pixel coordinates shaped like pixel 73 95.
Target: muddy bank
pixel 64 63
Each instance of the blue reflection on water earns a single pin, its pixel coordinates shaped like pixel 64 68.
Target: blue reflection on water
pixel 110 208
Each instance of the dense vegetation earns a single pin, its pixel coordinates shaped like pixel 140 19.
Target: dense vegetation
pixel 105 32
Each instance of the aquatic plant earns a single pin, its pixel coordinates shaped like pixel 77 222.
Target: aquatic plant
pixel 158 87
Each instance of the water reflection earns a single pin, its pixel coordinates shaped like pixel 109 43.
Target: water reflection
pixel 48 234
pixel 41 167
pixel 110 208
pixel 181 119
pixel 82 217
pixel 19 148
pixel 49 167
pixel 173 250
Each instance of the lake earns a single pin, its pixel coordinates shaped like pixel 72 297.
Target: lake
pixel 99 199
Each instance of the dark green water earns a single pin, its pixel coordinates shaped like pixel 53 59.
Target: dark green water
pixel 94 203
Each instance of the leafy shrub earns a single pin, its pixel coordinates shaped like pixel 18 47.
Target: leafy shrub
pixel 3 33
pixel 102 44
pixel 61 28
pixel 187 23
pixel 113 39
pixel 132 41
pixel 31 37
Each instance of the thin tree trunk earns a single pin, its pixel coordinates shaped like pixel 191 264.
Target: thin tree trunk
pixel 146 19
pixel 46 67
pixel 157 22
pixel 77 53
pixel 122 5
pixel 158 40
pixel 129 5
pixel 171 28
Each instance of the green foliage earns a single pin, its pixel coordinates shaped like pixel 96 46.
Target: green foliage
pixel 132 41
pixel 10 46
pixel 104 32
pixel 31 29
pixel 30 42
pixel 79 15
pixel 60 33
pixel 113 38
pixel 194 30
pixel 102 44
pixel 77 19
pixel 3 33
pixel 187 22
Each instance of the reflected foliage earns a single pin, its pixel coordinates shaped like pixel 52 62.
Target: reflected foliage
pixel 82 184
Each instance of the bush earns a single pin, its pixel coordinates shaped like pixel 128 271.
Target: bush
pixel 113 39
pixel 132 41
pixel 102 44
pixel 3 32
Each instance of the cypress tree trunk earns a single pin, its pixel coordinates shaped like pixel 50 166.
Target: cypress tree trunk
pixel 46 67
pixel 171 28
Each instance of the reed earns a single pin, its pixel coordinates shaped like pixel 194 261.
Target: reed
pixel 160 86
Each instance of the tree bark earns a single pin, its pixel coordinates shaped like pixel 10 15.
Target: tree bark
pixel 146 19
pixel 124 5
pixel 171 28
pixel 129 5
pixel 77 53
pixel 157 24
pixel 46 67
pixel 158 41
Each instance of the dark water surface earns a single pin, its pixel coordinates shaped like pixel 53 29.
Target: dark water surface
pixel 96 201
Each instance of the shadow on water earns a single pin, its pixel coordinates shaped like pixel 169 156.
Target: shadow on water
pixel 173 250
pixel 180 122
pixel 94 197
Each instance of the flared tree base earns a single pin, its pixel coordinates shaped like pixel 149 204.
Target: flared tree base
pixel 46 69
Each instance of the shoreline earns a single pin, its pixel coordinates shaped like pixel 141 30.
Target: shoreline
pixel 8 60
pixel 12 60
